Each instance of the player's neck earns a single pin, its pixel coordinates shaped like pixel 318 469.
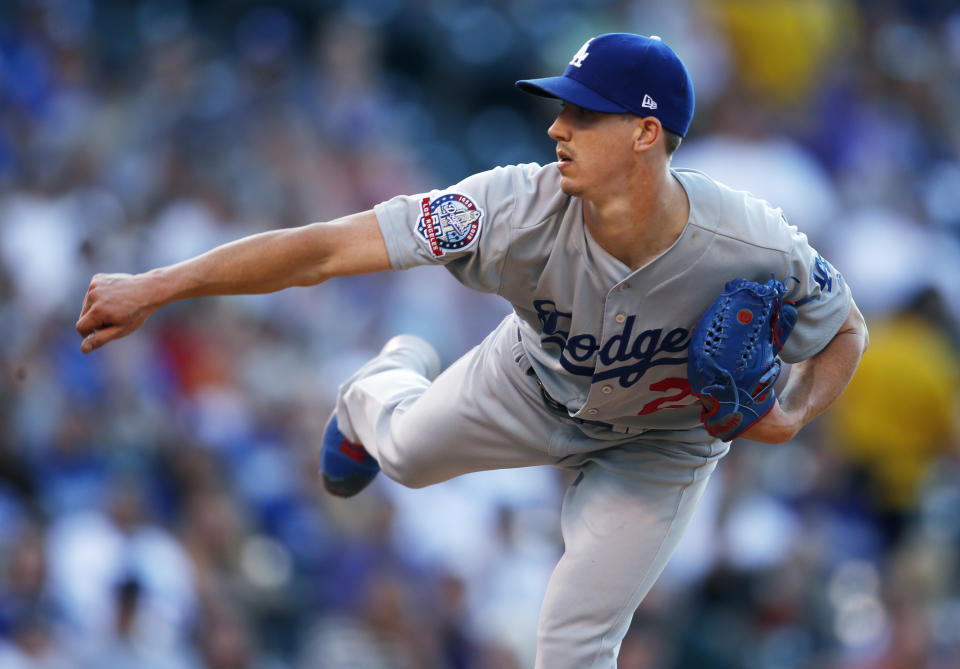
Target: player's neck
pixel 642 221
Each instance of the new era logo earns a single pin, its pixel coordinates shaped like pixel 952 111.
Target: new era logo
pixel 648 102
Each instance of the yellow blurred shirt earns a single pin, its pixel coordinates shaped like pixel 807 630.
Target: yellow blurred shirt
pixel 901 408
pixel 781 46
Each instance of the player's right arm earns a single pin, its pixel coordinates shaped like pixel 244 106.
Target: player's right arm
pixel 117 304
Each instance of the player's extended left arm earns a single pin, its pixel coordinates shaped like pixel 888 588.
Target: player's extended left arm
pixel 814 384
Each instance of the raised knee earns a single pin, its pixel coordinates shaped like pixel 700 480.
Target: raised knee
pixel 405 473
pixel 409 457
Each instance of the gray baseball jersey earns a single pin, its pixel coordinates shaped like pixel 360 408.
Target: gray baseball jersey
pixel 608 343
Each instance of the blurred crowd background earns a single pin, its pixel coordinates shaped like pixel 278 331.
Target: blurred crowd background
pixel 159 506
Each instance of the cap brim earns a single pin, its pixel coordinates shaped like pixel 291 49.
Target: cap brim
pixel 570 90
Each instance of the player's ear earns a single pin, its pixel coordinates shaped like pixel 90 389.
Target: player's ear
pixel 646 132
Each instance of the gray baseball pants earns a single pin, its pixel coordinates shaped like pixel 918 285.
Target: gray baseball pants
pixel 621 518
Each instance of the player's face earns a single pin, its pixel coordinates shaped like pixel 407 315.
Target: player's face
pixel 594 150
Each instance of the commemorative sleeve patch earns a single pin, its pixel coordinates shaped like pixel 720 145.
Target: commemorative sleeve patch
pixel 449 223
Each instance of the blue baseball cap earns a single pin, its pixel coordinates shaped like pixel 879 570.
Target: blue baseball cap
pixel 622 73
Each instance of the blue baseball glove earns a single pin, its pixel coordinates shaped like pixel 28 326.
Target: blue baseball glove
pixel 733 359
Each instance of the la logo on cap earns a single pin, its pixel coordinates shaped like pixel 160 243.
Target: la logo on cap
pixel 581 55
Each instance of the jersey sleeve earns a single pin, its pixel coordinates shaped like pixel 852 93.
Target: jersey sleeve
pixel 821 296
pixel 466 227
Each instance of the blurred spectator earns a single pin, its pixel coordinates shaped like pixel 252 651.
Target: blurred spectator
pixel 773 167
pixel 25 588
pixel 226 641
pixel 92 552
pixel 900 415
pixel 782 47
pixel 386 634
pixel 128 643
pixel 31 634
pixel 33 644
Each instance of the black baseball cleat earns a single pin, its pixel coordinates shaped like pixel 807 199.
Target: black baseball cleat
pixel 345 466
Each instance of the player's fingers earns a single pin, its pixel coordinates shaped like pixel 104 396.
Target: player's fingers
pixel 87 301
pixel 83 328
pixel 98 338
pixel 89 322
pixel 90 297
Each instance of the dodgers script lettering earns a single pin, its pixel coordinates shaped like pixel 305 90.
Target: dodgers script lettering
pixel 627 355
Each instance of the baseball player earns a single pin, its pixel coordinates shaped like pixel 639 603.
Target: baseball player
pixel 609 256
